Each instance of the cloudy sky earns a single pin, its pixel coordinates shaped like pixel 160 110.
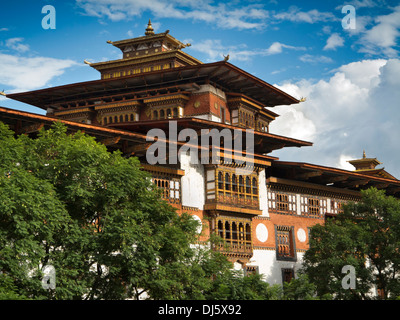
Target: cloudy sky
pixel 346 66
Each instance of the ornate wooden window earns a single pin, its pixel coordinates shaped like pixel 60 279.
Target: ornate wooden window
pixel 165 113
pixel 287 274
pixel 235 233
pixel 262 126
pixel 170 187
pixel 223 185
pixel 285 244
pixel 312 206
pixel 243 118
pixel 280 202
pixel 126 117
pixel 251 270
pixel 337 206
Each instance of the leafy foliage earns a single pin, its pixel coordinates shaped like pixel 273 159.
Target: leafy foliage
pixel 367 237
pixel 96 217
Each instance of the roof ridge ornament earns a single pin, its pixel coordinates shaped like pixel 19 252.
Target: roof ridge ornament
pixel 149 29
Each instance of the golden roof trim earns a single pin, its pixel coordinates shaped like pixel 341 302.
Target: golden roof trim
pixel 164 98
pixel 63 112
pixel 117 104
pixel 147 38
pixel 147 58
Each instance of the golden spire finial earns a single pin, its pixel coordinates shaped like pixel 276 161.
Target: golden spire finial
pixel 364 156
pixel 149 29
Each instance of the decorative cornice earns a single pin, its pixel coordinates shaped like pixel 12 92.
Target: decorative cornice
pixel 72 111
pixel 139 60
pixel 165 170
pixel 310 188
pixel 117 105
pixel 166 98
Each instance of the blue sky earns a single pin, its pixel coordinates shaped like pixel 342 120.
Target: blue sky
pixel 350 77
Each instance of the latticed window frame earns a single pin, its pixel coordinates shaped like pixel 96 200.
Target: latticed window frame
pixel 337 206
pixel 240 190
pixel 235 233
pixel 170 187
pixel 282 202
pixel 285 243
pixel 313 206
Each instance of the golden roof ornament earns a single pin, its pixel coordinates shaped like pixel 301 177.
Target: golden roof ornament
pixel 149 29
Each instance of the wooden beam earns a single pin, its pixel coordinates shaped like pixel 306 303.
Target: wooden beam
pixel 110 141
pixel 381 185
pixel 357 183
pixel 31 128
pixel 308 175
pixel 393 190
pixel 137 148
pixel 336 179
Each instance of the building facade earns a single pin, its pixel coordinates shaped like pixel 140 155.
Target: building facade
pixel 262 209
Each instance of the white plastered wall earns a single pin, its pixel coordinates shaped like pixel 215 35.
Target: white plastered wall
pixel 193 190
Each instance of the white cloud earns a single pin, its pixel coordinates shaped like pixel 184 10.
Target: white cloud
pixel 364 3
pixel 276 47
pixel 17 45
pixel 381 38
pixel 294 14
pixel 334 41
pixel 356 109
pixel 222 14
pixel 24 74
pixel 3 29
pixel 361 24
pixel 308 58
pixel 215 50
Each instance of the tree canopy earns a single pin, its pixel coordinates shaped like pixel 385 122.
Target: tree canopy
pixel 99 221
pixel 366 239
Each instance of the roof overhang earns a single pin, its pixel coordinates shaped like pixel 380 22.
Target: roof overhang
pixel 130 143
pixel 221 74
pixel 331 177
pixel 264 143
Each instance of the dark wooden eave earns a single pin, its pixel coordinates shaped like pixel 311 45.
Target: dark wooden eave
pixel 264 143
pixel 221 74
pixel 128 142
pixel 331 177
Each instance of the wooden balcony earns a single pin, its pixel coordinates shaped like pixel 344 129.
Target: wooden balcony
pixel 234 199
pixel 235 248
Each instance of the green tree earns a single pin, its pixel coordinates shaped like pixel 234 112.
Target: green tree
pixel 97 218
pixel 366 236
pixel 300 288
pixel 233 285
